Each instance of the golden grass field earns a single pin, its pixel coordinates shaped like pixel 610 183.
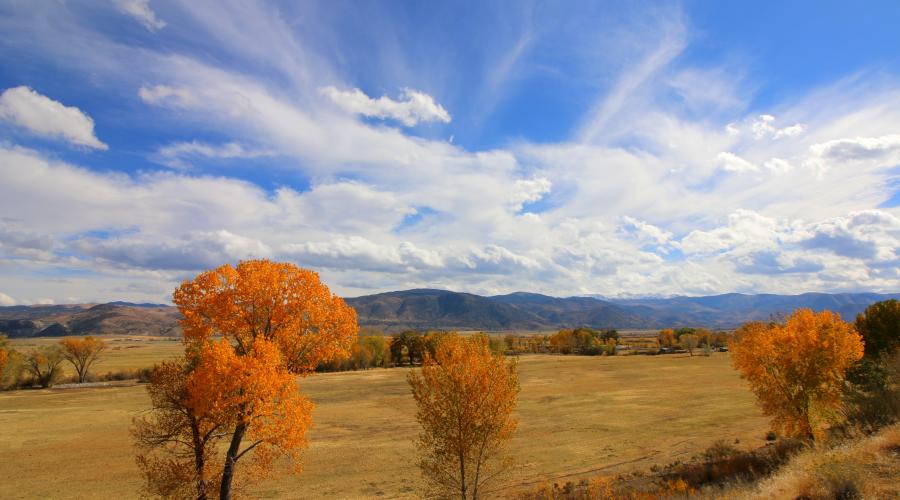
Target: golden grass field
pixel 578 417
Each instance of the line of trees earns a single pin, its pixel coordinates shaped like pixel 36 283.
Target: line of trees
pixel 583 341
pixel 409 348
pixel 43 366
pixel 690 339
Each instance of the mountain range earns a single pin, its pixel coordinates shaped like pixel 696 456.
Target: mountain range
pixel 441 309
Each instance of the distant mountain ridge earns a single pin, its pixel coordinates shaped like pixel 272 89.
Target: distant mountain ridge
pixel 114 318
pixel 442 309
pixel 446 310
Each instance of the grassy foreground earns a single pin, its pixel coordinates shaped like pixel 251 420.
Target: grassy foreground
pixel 579 416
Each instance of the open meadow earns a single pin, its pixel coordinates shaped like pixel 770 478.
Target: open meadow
pixel 578 416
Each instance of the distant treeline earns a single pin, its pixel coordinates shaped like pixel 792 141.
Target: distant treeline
pixel 374 349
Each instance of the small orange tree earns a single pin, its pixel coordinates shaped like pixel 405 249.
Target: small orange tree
pixel 275 320
pixel 82 353
pixel 465 397
pixel 797 369
pixel 667 338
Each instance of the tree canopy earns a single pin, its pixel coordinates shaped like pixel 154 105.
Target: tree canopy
pixel 879 326
pixel 797 368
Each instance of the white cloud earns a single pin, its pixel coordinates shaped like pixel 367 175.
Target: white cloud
pixel 141 11
pixel 44 116
pixel 6 300
pixel 198 250
pixel 381 208
pixel 778 166
pixel 645 232
pixel 885 147
pixel 167 95
pixel 731 162
pixel 412 108
pixel 763 127
pixel 529 191
pixel 181 154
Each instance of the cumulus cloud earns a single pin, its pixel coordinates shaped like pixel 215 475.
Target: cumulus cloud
pixel 355 251
pixel 746 229
pixel 858 148
pixel 6 300
pixel 529 191
pixel 46 117
pixel 140 10
pixel 18 242
pixel 869 235
pixel 412 108
pixel 181 154
pixel 645 232
pixel 764 127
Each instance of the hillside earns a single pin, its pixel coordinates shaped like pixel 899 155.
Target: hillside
pixel 115 318
pixel 442 309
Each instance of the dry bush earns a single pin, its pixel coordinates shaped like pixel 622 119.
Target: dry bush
pixel 722 464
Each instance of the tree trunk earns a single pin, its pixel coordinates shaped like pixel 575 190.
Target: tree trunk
pixel 230 459
pixel 462 477
pixel 199 461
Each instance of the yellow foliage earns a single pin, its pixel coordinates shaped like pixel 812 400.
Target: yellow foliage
pixel 276 301
pixel 82 353
pixel 465 396
pixel 601 487
pixel 797 369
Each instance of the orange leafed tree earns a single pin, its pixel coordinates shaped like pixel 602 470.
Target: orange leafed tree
pixel 797 369
pixel 667 338
pixel 256 397
pixel 82 353
pixel 262 310
pixel 465 397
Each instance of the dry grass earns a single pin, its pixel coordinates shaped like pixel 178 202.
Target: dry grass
pixel 864 468
pixel 579 417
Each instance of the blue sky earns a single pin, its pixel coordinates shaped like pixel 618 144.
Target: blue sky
pixel 614 148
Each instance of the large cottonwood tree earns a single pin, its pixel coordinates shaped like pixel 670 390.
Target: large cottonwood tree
pixel 797 368
pixel 248 331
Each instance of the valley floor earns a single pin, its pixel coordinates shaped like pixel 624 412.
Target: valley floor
pixel 578 416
